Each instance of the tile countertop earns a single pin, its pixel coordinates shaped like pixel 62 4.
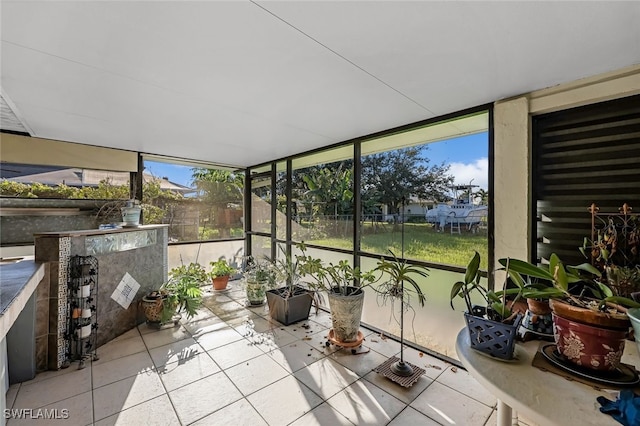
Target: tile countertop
pixel 18 281
pixel 86 232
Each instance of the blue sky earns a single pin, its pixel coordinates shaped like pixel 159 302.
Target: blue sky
pixel 467 157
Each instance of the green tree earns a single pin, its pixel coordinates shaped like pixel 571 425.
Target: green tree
pixel 393 176
pixel 220 191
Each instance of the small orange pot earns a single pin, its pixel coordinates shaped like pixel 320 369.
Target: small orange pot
pixel 220 283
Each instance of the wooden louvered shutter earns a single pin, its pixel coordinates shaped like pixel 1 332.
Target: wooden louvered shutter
pixel 583 155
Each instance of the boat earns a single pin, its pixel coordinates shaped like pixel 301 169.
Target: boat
pixel 459 213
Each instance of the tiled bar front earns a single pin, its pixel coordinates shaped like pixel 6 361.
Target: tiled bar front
pixel 141 252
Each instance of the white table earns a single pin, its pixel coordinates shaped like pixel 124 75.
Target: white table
pixel 542 397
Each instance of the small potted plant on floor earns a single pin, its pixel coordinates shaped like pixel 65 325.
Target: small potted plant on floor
pixel 259 277
pixel 492 328
pixel 220 273
pixel 181 293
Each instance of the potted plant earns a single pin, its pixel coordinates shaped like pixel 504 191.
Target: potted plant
pixel 492 328
pixel 614 248
pixel 394 275
pixel 180 293
pixel 220 272
pixel 589 321
pixel 259 276
pixel 344 285
pixel 291 302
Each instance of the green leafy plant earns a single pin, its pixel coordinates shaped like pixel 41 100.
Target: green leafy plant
pixel 579 284
pixel 193 269
pixel 260 270
pixel 181 292
pixel 496 303
pixel 339 278
pixel 397 272
pixel 220 268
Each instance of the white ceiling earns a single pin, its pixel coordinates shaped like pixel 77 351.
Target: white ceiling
pixel 241 83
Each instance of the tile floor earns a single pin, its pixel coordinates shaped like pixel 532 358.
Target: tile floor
pixel 232 365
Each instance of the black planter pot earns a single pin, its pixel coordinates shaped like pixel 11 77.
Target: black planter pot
pixel 288 310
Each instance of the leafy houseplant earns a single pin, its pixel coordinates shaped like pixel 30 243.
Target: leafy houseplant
pixel 290 303
pixel 397 272
pixel 614 248
pixel 180 293
pixel 492 329
pixel 344 285
pixel 220 272
pixel 259 276
pixel 590 325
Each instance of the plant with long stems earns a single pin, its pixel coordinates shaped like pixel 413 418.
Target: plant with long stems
pixel 399 271
pixel 339 278
pixel 555 281
pixel 495 301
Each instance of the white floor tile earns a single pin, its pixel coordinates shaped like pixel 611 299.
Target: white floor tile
pixel 240 413
pixel 269 401
pixel 306 329
pixel 234 353
pixel 120 368
pixel 126 393
pixel 255 374
pixel 361 364
pixel 214 338
pixel 71 411
pixel 448 406
pixel 410 416
pixel 119 348
pixel 155 412
pixel 366 404
pixel 326 377
pixel 36 394
pixel 201 398
pixel 177 351
pixel 383 345
pixel 201 313
pixel 186 371
pixel 322 415
pixel 165 336
pixel 295 356
pixel 127 335
pixel 203 326
pixel 462 381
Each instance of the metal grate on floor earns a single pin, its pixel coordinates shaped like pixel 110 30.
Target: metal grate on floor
pixel 405 381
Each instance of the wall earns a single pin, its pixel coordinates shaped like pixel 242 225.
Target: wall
pixel 512 162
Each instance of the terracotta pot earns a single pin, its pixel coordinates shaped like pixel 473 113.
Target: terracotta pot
pixel 220 283
pixel 538 307
pixel 591 347
pixel 590 317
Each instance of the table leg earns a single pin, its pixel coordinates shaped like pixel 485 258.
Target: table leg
pixel 504 414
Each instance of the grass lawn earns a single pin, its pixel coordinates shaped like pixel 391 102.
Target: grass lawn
pixel 420 242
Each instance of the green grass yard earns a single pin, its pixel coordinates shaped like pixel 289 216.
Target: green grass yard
pixel 421 242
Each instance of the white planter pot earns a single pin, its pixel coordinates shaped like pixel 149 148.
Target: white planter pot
pixel 83 291
pixel 84 331
pixel 86 313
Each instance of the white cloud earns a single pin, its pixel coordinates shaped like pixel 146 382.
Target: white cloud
pixel 478 171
